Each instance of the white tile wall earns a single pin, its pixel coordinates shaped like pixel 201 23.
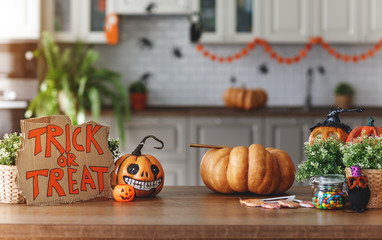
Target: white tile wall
pixel 195 80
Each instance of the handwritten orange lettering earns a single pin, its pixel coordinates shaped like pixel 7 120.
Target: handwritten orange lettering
pixel 78 147
pixel 55 175
pixel 34 174
pixel 90 138
pixel 36 133
pixel 100 171
pixel 86 179
pixel 71 181
pixel 53 131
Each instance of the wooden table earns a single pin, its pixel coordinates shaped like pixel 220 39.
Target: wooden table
pixel 187 213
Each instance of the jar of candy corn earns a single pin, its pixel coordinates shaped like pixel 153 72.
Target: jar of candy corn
pixel 328 191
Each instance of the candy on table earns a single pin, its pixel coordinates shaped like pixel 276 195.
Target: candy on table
pixel 271 205
pixel 288 204
pixel 251 202
pixel 333 199
pixel 306 204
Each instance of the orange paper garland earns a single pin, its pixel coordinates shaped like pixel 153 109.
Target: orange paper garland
pixel 293 59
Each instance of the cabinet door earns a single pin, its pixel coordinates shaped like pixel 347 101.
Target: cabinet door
pixel 213 15
pixel 244 20
pixel 61 18
pixel 172 131
pixel 372 20
pixel 287 21
pixel 288 134
pixel 227 131
pixel 337 20
pixel 92 23
pixel 20 19
pixel 157 6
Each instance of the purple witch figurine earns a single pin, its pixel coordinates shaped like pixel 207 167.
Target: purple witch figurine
pixel 358 190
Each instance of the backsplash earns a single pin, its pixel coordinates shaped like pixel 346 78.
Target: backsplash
pixel 197 81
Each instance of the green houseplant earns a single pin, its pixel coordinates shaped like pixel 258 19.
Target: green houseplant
pixel 323 157
pixel 72 84
pixel 344 95
pixel 138 95
pixel 9 192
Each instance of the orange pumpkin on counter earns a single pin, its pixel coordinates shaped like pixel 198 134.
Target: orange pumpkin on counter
pixel 370 131
pixel 241 169
pixel 242 98
pixel 332 126
pixel 142 171
pixel 123 193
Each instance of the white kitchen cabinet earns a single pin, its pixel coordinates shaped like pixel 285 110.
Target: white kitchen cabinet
pixel 288 134
pixel 172 131
pixel 287 21
pixel 139 7
pixel 226 131
pixel 229 20
pixel 20 20
pixel 337 20
pixel 72 20
pixel 372 20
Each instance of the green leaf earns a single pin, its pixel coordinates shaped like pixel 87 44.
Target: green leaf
pixel 95 102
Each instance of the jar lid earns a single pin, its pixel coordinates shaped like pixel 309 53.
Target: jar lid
pixel 327 179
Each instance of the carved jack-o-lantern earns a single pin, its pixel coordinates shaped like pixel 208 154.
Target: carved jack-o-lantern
pixel 123 193
pixel 369 130
pixel 332 126
pixel 142 171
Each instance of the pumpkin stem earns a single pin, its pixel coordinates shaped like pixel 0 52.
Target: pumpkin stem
pixel 370 123
pixel 137 151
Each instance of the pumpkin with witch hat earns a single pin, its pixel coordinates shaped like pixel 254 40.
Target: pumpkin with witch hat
pixel 142 171
pixel 332 126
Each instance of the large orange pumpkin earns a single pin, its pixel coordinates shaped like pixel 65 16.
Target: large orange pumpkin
pixel 241 169
pixel 142 171
pixel 370 131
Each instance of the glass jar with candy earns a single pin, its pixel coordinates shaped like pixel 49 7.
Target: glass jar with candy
pixel 328 191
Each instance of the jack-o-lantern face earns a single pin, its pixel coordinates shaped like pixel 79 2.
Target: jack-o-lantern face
pixel 327 132
pixel 123 193
pixel 369 131
pixel 142 171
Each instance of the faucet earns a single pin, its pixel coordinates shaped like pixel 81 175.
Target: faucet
pixel 308 97
pixel 309 82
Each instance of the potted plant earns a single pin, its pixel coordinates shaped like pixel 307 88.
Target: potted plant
pixel 323 157
pixel 138 95
pixel 72 84
pixel 9 192
pixel 366 152
pixel 344 95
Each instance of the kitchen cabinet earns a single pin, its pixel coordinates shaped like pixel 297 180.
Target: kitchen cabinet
pixel 226 131
pixel 288 134
pixel 172 131
pixel 287 21
pixel 138 7
pixel 337 20
pixel 372 20
pixel 71 20
pixel 20 20
pixel 229 21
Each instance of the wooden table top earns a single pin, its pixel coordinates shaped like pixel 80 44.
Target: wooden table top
pixel 186 213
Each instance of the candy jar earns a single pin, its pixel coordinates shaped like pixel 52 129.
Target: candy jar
pixel 328 191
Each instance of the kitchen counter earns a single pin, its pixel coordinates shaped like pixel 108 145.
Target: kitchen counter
pixel 267 111
pixel 184 212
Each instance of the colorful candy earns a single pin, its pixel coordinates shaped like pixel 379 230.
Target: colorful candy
pixel 271 205
pixel 289 204
pixel 331 199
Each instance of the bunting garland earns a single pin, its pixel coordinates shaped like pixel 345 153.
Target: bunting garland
pixel 293 59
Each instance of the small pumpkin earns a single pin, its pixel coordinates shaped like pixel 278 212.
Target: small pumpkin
pixel 370 131
pixel 123 193
pixel 332 126
pixel 242 169
pixel 142 171
pixel 242 98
